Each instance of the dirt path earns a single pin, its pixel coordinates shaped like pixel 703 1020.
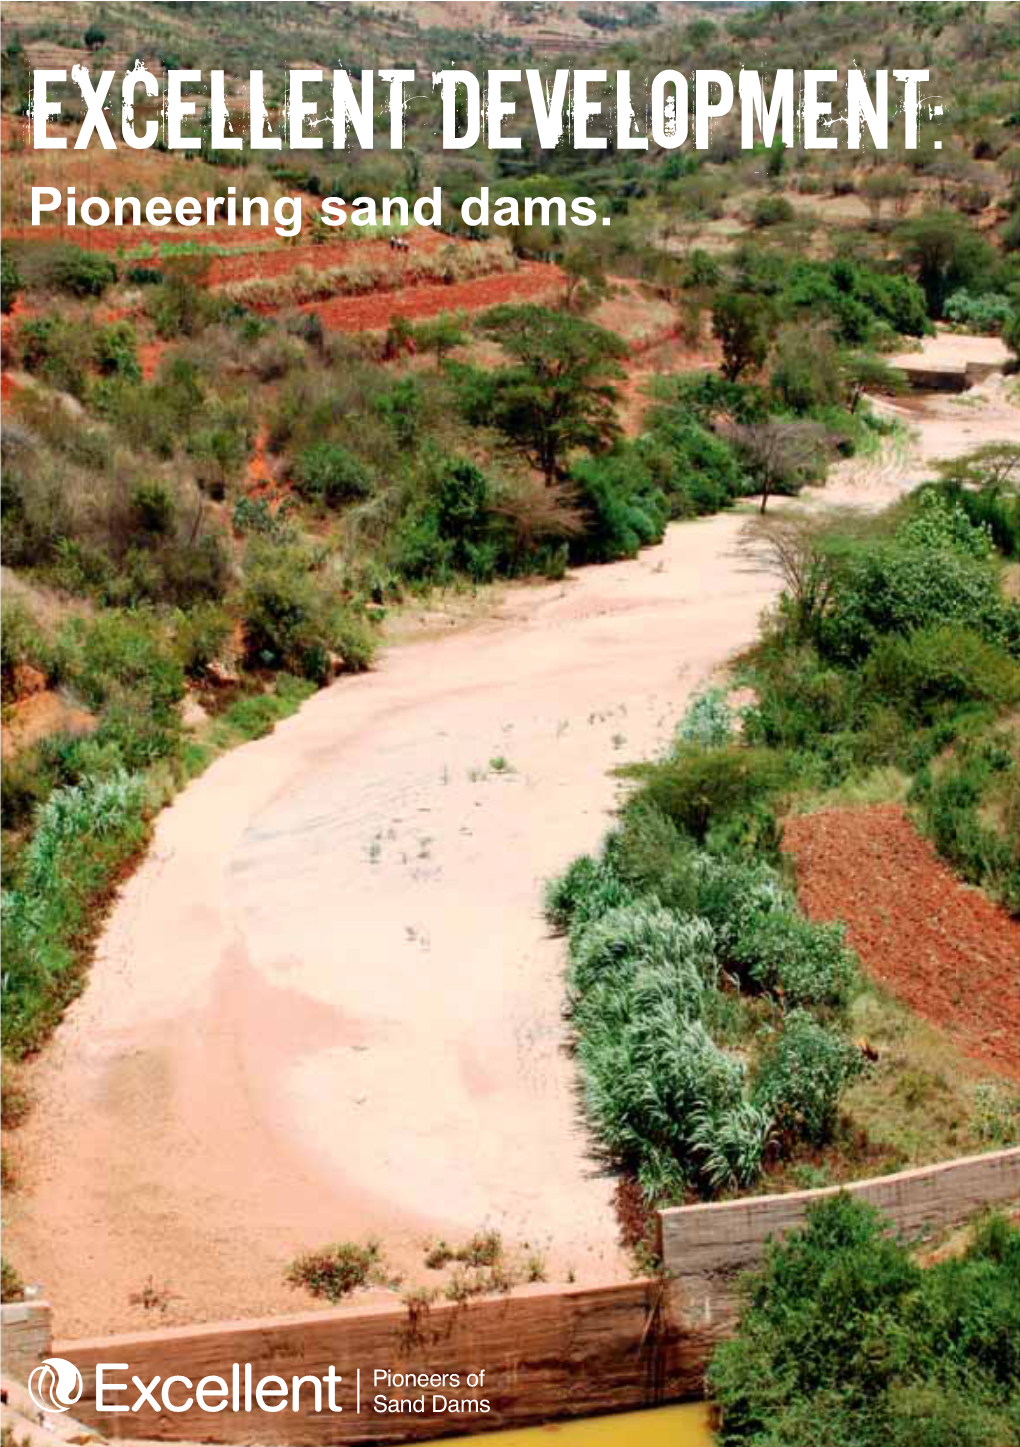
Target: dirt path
pixel 327 1005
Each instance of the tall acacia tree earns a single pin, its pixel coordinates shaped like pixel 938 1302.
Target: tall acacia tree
pixel 559 392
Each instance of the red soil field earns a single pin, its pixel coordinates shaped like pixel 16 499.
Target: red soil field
pixel 532 281
pixel 940 946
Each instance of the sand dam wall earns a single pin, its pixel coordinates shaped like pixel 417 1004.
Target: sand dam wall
pixel 546 1352
pixel 705 1248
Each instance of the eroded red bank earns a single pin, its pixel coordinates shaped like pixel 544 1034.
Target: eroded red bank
pixel 941 947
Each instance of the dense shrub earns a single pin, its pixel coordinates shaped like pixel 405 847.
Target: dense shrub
pixel 985 313
pixel 326 472
pixel 858 300
pixel 453 528
pixel 701 788
pixel 10 281
pixel 82 273
pixel 585 891
pixel 294 621
pixel 21 641
pixel 651 1075
pixel 622 509
pixel 933 670
pixel 971 808
pixel 842 1328
pixel 801 1078
pixel 771 211
pixel 58 351
pixel 938 568
pixel 116 352
pixel 696 469
pixel 993 507
pixel 624 940
pixel 800 700
pixel 707 720
pixel 793 958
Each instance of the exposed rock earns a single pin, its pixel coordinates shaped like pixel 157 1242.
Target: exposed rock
pixel 222 675
pixel 193 715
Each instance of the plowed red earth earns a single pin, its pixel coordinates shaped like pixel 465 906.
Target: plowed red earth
pixel 375 311
pixel 938 945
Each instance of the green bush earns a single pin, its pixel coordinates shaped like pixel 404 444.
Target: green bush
pixel 58 351
pixel 738 897
pixel 10 281
pixel 200 636
pixel 801 1078
pixel 586 890
pixel 707 720
pixel 326 472
pixel 622 509
pixel 82 273
pixel 116 352
pixel 799 961
pixel 771 211
pixel 985 313
pixel 294 621
pixel 935 669
pixel 937 569
pixel 333 1272
pixel 122 651
pixel 650 1073
pixel 800 700
pixel 992 507
pixel 697 470
pixel 971 808
pixel 700 788
pixel 452 529
pixel 845 1339
pixel 21 641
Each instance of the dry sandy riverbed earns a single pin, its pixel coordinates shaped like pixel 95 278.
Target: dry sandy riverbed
pixel 327 1005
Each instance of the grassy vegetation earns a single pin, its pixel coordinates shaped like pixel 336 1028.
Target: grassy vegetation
pixel 334 1272
pixel 844 1333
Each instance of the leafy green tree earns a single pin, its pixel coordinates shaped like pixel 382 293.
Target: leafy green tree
pixel 740 322
pixel 868 372
pixel 585 284
pixel 439 335
pixel 946 255
pixel 560 391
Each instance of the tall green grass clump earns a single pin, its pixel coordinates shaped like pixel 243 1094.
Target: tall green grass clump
pixel 682 945
pixel 84 835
